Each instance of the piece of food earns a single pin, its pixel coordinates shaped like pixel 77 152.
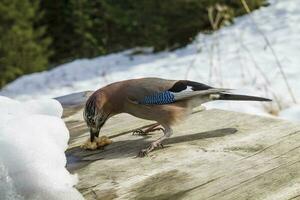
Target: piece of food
pixel 103 141
pixel 89 145
pixel 97 143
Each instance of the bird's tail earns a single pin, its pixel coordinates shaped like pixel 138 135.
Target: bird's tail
pixel 238 97
pixel 216 94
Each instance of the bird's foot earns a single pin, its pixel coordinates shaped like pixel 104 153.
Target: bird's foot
pixel 142 132
pixel 97 143
pixel 153 145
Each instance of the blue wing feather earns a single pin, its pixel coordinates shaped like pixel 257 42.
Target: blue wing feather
pixel 160 98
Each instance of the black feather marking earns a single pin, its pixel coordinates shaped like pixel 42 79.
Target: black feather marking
pixel 198 86
pixel 178 86
pixel 237 97
pixel 183 84
pixel 90 110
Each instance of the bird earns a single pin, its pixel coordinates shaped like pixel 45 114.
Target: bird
pixel 164 101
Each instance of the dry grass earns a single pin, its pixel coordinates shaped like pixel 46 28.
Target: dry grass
pixel 269 45
pixel 221 15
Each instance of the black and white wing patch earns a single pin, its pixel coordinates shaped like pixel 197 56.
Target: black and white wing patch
pixel 182 89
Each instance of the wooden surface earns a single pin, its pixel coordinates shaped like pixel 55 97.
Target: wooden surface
pixel 214 154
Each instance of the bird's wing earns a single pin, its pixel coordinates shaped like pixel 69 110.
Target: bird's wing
pixel 161 91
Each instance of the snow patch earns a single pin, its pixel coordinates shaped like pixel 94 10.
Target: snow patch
pixel 292 113
pixel 33 138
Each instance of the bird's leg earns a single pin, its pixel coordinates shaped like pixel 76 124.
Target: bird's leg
pixel 152 128
pixel 91 143
pixel 167 133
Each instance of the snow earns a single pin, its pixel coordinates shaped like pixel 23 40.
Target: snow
pixel 291 113
pixel 237 56
pixel 33 138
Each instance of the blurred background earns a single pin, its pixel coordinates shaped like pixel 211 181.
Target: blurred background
pixel 38 35
pixel 81 45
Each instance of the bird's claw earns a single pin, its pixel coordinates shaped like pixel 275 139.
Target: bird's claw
pixel 160 145
pixel 144 152
pixel 143 133
pixel 139 132
pixel 160 129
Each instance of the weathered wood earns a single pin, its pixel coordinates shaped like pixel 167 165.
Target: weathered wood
pixel 215 154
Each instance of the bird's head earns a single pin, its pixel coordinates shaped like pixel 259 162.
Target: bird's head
pixel 94 112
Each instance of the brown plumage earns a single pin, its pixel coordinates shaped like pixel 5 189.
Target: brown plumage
pixel 164 101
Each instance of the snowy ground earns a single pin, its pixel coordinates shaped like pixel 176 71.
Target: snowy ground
pixel 234 57
pixel 33 138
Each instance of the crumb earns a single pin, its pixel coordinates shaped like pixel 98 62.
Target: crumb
pixel 103 141
pixel 97 143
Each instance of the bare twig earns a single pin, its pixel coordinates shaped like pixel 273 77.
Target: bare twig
pixel 262 73
pixel 272 50
pixel 215 23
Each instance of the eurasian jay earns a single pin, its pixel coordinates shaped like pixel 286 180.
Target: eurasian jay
pixel 164 101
